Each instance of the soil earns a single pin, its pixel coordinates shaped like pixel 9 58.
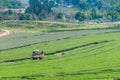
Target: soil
pixel 4 33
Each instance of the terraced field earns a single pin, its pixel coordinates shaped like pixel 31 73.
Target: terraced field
pixel 90 57
pixel 71 55
pixel 26 39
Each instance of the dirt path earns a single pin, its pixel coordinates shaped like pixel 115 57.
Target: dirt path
pixel 4 33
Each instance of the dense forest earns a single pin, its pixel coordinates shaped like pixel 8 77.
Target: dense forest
pixel 10 4
pixel 80 10
pixel 88 4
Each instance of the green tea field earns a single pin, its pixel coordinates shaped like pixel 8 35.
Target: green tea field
pixel 72 53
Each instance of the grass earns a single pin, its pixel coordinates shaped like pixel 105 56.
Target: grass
pixel 98 60
pixel 74 51
pixel 25 39
pixel 50 26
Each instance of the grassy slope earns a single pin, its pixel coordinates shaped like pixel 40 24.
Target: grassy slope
pixel 48 26
pixel 96 60
pixel 40 30
pixel 83 61
pixel 25 39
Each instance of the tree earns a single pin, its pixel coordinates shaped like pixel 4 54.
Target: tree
pixel 28 17
pixel 9 12
pixel 82 5
pixel 60 16
pixel 80 16
pixel 10 4
pixel 113 15
pixel 41 8
pixel 99 5
pixel 9 15
pixel 76 2
pixel 34 8
pixel 93 14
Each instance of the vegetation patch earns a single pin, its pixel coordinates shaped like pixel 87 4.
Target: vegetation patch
pixel 83 54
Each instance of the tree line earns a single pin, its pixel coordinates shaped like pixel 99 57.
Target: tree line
pixel 10 4
pixel 107 10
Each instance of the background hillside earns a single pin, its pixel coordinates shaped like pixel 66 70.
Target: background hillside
pixel 10 4
pixel 74 51
pixel 67 10
pixel 87 4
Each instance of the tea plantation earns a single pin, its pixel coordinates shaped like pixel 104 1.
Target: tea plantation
pixel 70 55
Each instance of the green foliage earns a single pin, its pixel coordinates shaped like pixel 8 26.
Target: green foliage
pixel 40 8
pixel 45 9
pixel 9 12
pixel 90 4
pixel 9 15
pixel 80 16
pixel 113 15
pixel 95 9
pixel 60 16
pixel 93 14
pixel 10 4
pixel 28 17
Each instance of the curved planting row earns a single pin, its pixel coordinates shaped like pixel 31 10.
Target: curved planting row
pixel 25 39
pixel 86 58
